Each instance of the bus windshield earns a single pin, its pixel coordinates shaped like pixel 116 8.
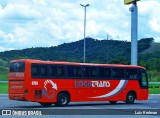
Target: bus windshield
pixel 17 67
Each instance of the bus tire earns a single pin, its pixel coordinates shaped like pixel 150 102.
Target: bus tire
pixel 113 102
pixel 130 98
pixel 63 99
pixel 45 104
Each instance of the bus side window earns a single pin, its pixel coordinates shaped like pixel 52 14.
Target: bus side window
pixel 70 71
pixel 93 72
pixel 104 72
pixel 53 71
pixel 118 73
pixel 77 71
pixel 143 79
pixel 107 72
pixel 43 71
pixel 35 70
pixel 61 71
pixel 101 72
pixel 131 74
pixel 85 71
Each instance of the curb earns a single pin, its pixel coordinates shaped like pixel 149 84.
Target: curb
pixel 2 95
pixel 154 94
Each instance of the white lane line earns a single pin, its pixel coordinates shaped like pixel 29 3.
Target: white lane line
pixel 154 94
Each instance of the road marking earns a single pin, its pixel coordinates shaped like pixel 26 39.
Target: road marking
pixel 154 94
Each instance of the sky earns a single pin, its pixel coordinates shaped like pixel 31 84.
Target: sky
pixel 45 23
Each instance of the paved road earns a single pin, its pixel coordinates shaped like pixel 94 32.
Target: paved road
pixel 152 104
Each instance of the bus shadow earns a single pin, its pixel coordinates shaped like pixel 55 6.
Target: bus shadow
pixel 99 104
pixel 78 105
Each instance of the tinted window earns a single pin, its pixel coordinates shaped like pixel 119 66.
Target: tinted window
pixel 43 71
pixel 53 70
pixel 86 71
pixel 17 67
pixel 93 72
pixel 77 71
pixel 61 71
pixel 118 73
pixel 39 70
pixel 143 79
pixel 35 70
pixel 104 72
pixel 131 74
pixel 70 70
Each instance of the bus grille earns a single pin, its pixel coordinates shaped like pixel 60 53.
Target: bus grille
pixel 38 94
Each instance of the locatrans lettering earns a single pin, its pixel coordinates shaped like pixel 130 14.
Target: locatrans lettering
pixel 91 84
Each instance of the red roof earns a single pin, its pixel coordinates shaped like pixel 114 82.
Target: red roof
pixel 75 63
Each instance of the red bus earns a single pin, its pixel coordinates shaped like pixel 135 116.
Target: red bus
pixel 59 83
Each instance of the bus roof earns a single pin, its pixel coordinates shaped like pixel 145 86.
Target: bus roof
pixel 75 63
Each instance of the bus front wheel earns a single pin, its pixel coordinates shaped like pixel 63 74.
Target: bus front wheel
pixel 130 98
pixel 63 99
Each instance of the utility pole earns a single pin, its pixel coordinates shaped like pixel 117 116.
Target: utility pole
pixel 107 48
pixel 84 54
pixel 134 30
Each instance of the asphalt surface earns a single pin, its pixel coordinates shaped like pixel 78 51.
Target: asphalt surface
pixel 89 107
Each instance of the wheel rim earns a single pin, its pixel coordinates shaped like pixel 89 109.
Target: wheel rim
pixel 130 98
pixel 63 100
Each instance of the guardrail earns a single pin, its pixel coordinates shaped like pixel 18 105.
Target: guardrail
pixel 155 85
pixel 154 82
pixel 3 81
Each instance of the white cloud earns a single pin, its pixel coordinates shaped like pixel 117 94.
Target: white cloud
pixel 19 11
pixel 149 20
pixel 43 23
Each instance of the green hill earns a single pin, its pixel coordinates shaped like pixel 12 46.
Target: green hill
pixel 100 51
pixel 97 51
pixel 155 47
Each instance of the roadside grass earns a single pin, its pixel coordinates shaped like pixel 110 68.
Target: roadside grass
pixel 154 89
pixel 3 88
pixel 3 71
pixel 3 77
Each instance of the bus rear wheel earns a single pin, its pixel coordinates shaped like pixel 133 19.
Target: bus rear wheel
pixel 63 99
pixel 113 102
pixel 45 104
pixel 130 98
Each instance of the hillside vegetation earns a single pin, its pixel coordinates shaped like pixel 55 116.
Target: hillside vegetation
pixel 155 47
pixel 3 70
pixel 97 51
